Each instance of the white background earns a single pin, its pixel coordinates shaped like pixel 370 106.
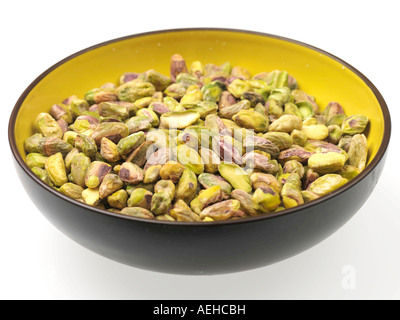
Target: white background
pixel 39 262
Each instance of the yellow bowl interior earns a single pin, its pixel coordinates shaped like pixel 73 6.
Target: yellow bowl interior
pixel 318 74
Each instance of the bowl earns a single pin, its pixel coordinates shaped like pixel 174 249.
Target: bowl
pixel 203 248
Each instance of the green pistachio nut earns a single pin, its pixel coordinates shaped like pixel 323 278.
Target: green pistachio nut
pixel 165 217
pixel 280 95
pixel 182 212
pixel 60 111
pixel 274 110
pixel 153 117
pixel 189 158
pixel 139 155
pixel 172 171
pixel 286 123
pixel 236 176
pixel 326 162
pixel 134 90
pixel 139 123
pixel 128 144
pixel 210 159
pixel 221 211
pixel 187 80
pixel 331 110
pixel 291 193
pixel 178 120
pixel 358 151
pixel 246 202
pixel 210 196
pixel 253 97
pixel 316 131
pixel 109 150
pixel 42 175
pixel 266 199
pixel 152 174
pixel 91 196
pixel 31 144
pixel 230 110
pixel 72 190
pixel 260 143
pixel 114 131
pixel 55 167
pixel 131 173
pixel 294 153
pixel 238 86
pixel 355 124
pixel 84 122
pixel 35 160
pixel 48 126
pixel 258 161
pixel 197 69
pixel 251 120
pixel 306 109
pixel 335 134
pixel 344 142
pixel 79 166
pixel 291 108
pixel 157 79
pixel 262 180
pixel 187 186
pixel 337 120
pixel 349 172
pixel 292 166
pixel 118 199
pixel 160 203
pixel 110 184
pixel 77 107
pixel 95 173
pixel 308 196
pixel 113 110
pixel 140 197
pixel 192 96
pixel 212 91
pixel 326 184
pixel 281 139
pixel 175 90
pixel 86 145
pixel 309 177
pixel 137 213
pixel 208 180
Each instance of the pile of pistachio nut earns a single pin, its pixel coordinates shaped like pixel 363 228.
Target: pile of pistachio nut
pixel 206 143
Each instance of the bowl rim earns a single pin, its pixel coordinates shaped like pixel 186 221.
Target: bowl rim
pixel 368 169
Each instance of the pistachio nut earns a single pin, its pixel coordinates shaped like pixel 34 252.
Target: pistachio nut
pixel 118 199
pixel 139 155
pixel 221 211
pixel 134 90
pixel 72 190
pixel 42 175
pixel 140 197
pixel 178 120
pixel 251 120
pixel 138 213
pixel 236 176
pixel 129 143
pixel 286 123
pixel 95 173
pixel 329 162
pixel 182 212
pixel 187 186
pixel 266 199
pixel 79 166
pixel 110 184
pixel 48 126
pixel 358 151
pixel 114 131
pixel 355 124
pixel 326 184
pixel 260 143
pixel 208 180
pixel 35 160
pixel 171 171
pixel 262 180
pixel 91 196
pixel 157 79
pixel 86 145
pixel 55 168
pixel 246 202
pixel 131 173
pixel 152 174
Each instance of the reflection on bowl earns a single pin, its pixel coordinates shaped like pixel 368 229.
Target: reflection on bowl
pixel 195 247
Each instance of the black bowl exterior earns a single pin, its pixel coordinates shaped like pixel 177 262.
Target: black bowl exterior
pixel 206 248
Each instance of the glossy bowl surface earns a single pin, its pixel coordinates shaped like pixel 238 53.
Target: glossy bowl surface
pixel 203 248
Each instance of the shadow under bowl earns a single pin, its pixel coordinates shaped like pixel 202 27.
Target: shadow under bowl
pixel 203 248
